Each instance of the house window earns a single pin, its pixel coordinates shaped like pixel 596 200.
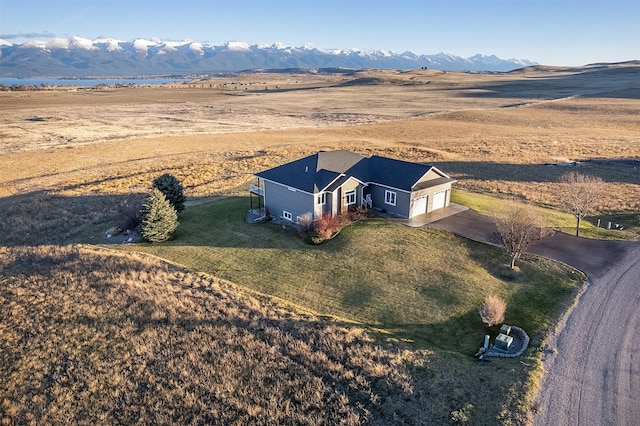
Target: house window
pixel 350 198
pixel 390 197
pixel 287 215
pixel 322 199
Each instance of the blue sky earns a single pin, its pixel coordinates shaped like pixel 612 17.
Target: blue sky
pixel 557 32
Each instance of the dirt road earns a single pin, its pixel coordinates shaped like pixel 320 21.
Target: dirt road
pixel 593 364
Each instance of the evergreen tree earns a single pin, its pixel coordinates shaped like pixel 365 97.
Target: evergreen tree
pixel 159 218
pixel 172 190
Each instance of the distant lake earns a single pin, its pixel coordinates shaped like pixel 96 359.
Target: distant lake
pixel 88 82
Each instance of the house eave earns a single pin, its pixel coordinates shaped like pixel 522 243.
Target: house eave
pixel 389 187
pixel 292 188
pixel 432 183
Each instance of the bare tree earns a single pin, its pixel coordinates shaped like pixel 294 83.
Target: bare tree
pixel 580 195
pixel 519 226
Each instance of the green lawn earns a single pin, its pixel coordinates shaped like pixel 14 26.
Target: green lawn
pixel 414 284
pixel 420 284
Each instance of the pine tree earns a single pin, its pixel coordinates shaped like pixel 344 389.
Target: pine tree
pixel 159 218
pixel 172 190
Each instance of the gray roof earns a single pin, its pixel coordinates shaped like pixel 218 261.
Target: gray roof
pixel 433 182
pixel 316 172
pixel 396 173
pixel 313 173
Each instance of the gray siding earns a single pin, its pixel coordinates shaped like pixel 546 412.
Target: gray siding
pixel 402 200
pixel 279 198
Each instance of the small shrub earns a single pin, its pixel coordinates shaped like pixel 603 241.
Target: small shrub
pixel 461 415
pixel 129 214
pixel 360 213
pixel 159 219
pixel 326 226
pixel 345 218
pixel 114 230
pixel 492 310
pixel 305 224
pixel 172 190
pixel 312 239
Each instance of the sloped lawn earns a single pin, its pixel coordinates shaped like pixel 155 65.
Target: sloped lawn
pixel 418 285
pixel 422 284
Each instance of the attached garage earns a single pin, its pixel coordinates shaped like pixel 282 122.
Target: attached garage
pixel 439 200
pixel 427 201
pixel 338 181
pixel 419 206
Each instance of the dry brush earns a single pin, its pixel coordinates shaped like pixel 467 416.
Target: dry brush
pixel 95 338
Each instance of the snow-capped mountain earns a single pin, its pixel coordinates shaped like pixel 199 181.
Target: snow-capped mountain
pixel 80 57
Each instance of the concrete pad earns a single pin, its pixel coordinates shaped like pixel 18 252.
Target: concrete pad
pixel 427 218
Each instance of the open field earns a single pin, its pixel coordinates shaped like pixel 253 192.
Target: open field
pixel 91 336
pixel 96 338
pixel 493 132
pixel 69 159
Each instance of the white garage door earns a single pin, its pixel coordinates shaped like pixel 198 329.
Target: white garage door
pixel 419 206
pixel 439 199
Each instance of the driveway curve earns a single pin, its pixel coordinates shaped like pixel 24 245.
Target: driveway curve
pixel 592 363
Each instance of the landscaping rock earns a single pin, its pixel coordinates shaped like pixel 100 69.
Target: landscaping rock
pixel 519 344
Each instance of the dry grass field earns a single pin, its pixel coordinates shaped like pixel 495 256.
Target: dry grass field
pixel 96 338
pixel 92 336
pixel 494 132
pixel 69 159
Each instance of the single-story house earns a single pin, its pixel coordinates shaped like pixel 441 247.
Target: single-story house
pixel 338 181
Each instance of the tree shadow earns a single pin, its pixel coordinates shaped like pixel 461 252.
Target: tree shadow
pixel 462 334
pixel 358 295
pixel 39 218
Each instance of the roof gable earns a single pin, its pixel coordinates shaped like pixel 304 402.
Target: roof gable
pixel 313 173
pixel 337 161
pixel 320 172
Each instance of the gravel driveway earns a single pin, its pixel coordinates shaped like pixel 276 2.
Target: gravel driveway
pixel 593 363
pixel 593 375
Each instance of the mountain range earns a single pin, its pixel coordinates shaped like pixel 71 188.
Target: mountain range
pixel 80 57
